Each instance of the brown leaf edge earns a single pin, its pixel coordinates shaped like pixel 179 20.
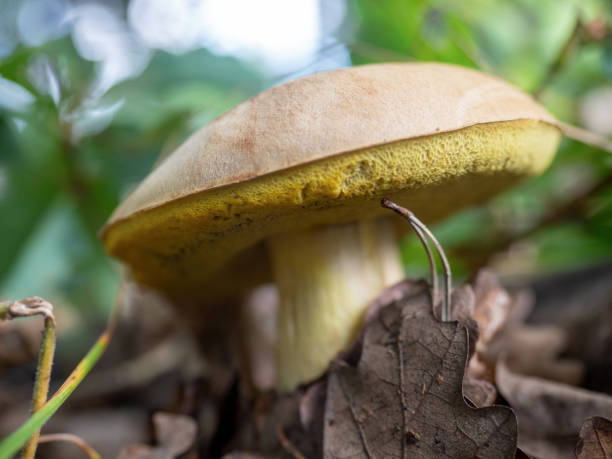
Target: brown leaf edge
pixel 363 414
pixel 595 439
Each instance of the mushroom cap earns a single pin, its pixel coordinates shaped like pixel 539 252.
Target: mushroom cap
pixel 320 150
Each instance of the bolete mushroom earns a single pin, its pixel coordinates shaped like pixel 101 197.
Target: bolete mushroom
pixel 293 178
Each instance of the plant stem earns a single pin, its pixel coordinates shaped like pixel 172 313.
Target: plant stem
pixel 570 45
pixel 5 310
pixel 421 230
pixel 14 441
pixel 91 453
pixel 41 385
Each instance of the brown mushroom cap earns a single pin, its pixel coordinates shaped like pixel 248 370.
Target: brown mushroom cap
pixel 323 149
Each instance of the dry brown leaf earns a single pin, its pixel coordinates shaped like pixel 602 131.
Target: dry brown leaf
pixel 492 312
pixel 404 397
pixel 533 351
pixel 552 446
pixel 478 392
pixel 493 305
pixel 520 454
pixel 595 439
pixel 137 451
pixel 463 302
pixel 245 455
pixel 175 434
pixel 549 413
pixel 282 425
pixel 548 406
pixel 502 332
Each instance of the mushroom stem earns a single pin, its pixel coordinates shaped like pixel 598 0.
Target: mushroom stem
pixel 326 278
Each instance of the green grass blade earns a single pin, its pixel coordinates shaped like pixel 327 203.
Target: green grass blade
pixel 10 445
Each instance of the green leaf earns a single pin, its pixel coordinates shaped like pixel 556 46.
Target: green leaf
pixel 416 30
pixel 607 57
pixel 31 184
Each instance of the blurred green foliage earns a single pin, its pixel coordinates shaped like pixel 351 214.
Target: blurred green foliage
pixel 557 50
pixel 58 186
pixel 67 158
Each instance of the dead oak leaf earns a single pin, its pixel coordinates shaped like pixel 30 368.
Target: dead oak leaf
pixel 549 413
pixel 502 332
pixel 404 397
pixel 595 439
pixel 548 407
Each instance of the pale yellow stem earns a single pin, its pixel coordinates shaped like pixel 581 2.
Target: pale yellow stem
pixel 326 278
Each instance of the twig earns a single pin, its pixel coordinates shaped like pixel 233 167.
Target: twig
pixel 41 384
pixel 78 441
pixel 287 445
pixel 564 53
pixel 415 222
pixel 11 444
pixel 590 138
pixel 580 32
pixel 432 262
pixel 26 308
pixel 32 306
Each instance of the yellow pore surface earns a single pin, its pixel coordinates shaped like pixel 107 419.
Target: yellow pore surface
pixel 195 247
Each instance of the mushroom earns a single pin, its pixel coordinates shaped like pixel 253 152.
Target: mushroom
pixel 286 186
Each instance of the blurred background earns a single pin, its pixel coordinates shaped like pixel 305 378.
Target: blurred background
pixel 93 92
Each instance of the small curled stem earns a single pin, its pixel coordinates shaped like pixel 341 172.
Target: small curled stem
pixel 421 230
pixel 74 439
